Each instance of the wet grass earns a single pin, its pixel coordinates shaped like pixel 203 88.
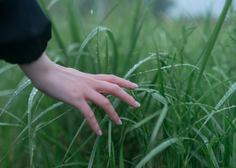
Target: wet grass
pixel 185 69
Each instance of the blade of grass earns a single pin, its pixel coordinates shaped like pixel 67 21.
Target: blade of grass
pixel 72 164
pixel 135 33
pixel 222 100
pixel 109 142
pixel 152 56
pixel 16 93
pixel 89 37
pixel 13 116
pixel 21 133
pixel 72 8
pixel 3 69
pixel 156 150
pixel 106 58
pixel 206 142
pixel 85 142
pixel 211 42
pixel 6 92
pixel 30 135
pixel 55 31
pixel 90 165
pixel 99 71
pixel 234 149
pixel 73 140
pixel 112 9
pixel 115 52
pixel 10 124
pixel 51 4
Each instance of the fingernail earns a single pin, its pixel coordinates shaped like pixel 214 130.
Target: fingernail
pixel 135 85
pixel 137 104
pixel 120 122
pixel 100 132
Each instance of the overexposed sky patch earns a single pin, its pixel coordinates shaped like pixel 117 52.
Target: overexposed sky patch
pixel 198 7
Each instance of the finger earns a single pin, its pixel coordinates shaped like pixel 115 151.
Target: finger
pixel 89 116
pixel 116 80
pixel 115 90
pixel 104 103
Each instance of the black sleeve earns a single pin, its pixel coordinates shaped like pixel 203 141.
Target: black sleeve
pixel 24 31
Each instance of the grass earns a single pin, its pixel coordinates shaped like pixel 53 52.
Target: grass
pixel 185 69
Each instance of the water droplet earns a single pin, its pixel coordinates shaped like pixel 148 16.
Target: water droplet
pixel 91 11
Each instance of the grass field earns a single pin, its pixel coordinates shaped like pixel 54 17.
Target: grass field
pixel 185 69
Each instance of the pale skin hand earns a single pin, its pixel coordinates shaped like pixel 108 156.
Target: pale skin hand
pixel 77 88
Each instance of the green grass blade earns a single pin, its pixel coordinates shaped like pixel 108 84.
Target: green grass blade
pixel 98 56
pixel 155 151
pixel 90 165
pixel 214 87
pixel 206 142
pixel 158 124
pixel 73 140
pixel 30 104
pixel 163 113
pixel 109 141
pixel 40 127
pixel 106 58
pixel 143 121
pixel 47 110
pixel 112 9
pixel 51 4
pixel 115 64
pixel 136 30
pixel 222 100
pixel 152 56
pixel 160 78
pixel 59 40
pixel 3 69
pixel 6 92
pixel 72 164
pixel 89 37
pixel 85 142
pixel 14 116
pixel 73 10
pixel 212 41
pixel 234 149
pixel 10 124
pixel 16 93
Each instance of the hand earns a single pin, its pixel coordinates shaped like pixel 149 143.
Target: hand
pixel 77 88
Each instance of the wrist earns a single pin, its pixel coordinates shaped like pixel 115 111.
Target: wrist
pixel 38 70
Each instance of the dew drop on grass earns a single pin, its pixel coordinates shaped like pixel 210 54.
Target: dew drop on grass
pixel 91 11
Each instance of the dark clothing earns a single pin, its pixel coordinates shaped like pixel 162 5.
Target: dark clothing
pixel 24 31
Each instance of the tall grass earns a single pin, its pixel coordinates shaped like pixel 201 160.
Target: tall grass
pixel 185 69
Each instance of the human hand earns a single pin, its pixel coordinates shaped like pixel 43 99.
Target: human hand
pixel 77 88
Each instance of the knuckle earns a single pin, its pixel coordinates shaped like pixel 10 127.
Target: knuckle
pixel 115 88
pixel 90 116
pixel 76 96
pixel 105 102
pixel 112 78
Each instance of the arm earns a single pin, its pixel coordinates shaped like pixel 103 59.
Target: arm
pixel 77 88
